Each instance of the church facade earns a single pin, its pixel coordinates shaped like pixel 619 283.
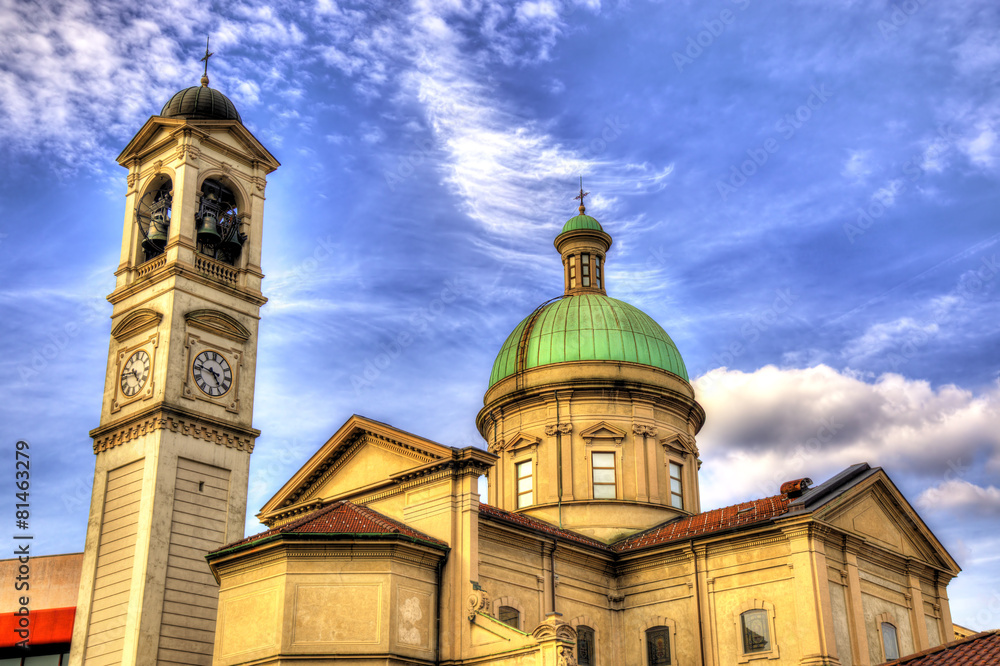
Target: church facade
pixel 593 550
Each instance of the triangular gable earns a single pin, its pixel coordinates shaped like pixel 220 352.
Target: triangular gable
pixel 159 130
pixel 521 440
pixel 603 430
pixel 875 510
pixel 680 442
pixel 361 455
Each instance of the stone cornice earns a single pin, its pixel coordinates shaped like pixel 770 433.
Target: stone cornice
pixel 160 417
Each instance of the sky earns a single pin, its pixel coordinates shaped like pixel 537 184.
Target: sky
pixel 803 194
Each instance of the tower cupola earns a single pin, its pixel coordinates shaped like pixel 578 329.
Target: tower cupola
pixel 583 244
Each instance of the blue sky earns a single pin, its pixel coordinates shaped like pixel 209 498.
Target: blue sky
pixel 805 196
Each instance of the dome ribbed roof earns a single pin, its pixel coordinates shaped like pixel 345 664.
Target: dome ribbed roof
pixel 581 222
pixel 587 327
pixel 200 103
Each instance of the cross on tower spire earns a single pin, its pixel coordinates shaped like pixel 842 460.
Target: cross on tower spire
pixel 204 78
pixel 581 196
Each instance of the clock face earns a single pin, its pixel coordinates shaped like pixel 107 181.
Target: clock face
pixel 212 373
pixel 135 373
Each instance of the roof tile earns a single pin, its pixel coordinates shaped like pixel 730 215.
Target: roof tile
pixel 982 649
pixel 716 520
pixel 339 518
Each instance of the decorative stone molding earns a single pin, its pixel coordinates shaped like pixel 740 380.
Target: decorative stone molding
pixel 217 322
pixel 522 441
pixel 135 322
pixel 215 435
pixel 553 627
pixel 603 431
pixel 478 601
pixel 643 430
pixel 564 428
pixel 680 442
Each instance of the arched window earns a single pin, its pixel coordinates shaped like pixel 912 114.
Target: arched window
pixel 585 646
pixel 152 214
pixel 217 223
pixel 509 616
pixel 756 636
pixel 890 644
pixel 658 646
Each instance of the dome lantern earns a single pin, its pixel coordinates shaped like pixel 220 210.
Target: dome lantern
pixel 583 245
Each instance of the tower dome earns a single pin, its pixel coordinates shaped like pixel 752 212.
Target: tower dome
pixel 200 103
pixel 589 407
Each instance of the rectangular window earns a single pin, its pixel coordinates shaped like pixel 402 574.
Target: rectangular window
pixel 525 496
pixel 597 270
pixel 889 642
pixel 572 270
pixel 676 489
pixel 756 637
pixel 604 475
pixel 585 269
pixel 584 646
pixel 658 646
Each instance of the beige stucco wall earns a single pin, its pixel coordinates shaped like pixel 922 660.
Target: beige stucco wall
pixel 54 581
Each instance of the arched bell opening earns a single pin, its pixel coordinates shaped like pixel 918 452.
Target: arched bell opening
pixel 152 214
pixel 217 222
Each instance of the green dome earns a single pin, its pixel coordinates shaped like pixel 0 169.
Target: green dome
pixel 201 103
pixel 581 222
pixel 588 327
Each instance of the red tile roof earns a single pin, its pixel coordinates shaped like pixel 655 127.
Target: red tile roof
pixel 716 520
pixel 341 518
pixel 982 649
pixel 539 525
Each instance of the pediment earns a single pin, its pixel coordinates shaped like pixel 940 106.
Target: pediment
pixel 136 322
pixel 680 442
pixel 522 440
pixel 219 323
pixel 876 512
pixel 360 456
pixel 159 130
pixel 603 431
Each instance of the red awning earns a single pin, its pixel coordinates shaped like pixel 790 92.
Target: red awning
pixel 45 627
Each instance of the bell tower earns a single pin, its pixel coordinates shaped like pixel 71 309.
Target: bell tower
pixel 175 435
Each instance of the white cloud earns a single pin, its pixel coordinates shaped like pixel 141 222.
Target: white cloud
pixel 958 496
pixel 858 165
pixel 771 425
pixel 893 335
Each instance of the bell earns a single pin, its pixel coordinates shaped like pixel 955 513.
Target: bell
pixel 156 237
pixel 208 229
pixel 233 244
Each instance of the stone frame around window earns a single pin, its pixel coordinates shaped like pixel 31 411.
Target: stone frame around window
pixel 772 653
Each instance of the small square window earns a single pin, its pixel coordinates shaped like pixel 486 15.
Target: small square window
pixel 509 616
